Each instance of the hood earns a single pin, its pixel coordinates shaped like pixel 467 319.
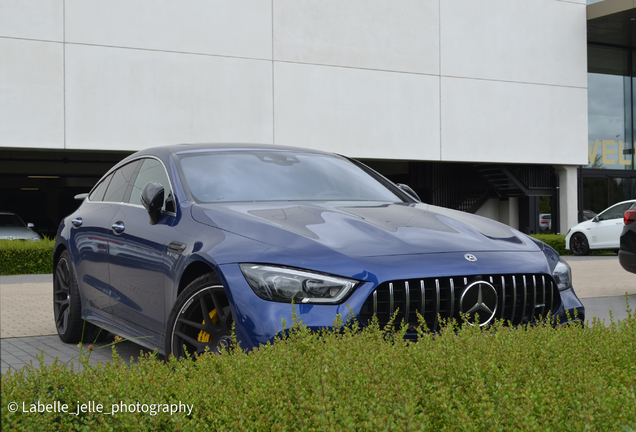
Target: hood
pixel 18 233
pixel 363 229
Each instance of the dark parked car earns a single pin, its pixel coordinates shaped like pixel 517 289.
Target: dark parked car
pixel 627 252
pixel 175 244
pixel 588 215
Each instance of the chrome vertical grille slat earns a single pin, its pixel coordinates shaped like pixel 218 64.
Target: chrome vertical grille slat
pixel 407 309
pixel 544 299
pixel 534 294
pixel 452 298
pixel 525 296
pixel 375 302
pixel 436 305
pixel 503 297
pixel 551 298
pixel 440 297
pixel 514 299
pixel 423 289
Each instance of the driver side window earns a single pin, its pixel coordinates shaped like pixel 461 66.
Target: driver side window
pixel 152 171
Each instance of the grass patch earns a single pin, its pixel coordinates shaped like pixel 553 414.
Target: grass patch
pixel 26 257
pixel 571 378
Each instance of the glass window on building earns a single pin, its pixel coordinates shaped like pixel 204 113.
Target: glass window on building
pixel 610 108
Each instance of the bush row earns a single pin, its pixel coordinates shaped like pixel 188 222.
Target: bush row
pixel 26 257
pixel 557 241
pixel 571 378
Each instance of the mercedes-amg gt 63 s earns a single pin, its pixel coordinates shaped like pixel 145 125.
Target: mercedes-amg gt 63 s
pixel 175 245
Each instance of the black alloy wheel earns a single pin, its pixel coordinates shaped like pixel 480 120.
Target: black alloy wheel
pixel 67 306
pixel 201 320
pixel 579 245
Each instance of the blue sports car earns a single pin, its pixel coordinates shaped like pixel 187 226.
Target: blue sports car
pixel 175 245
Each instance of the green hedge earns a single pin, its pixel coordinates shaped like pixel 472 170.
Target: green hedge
pixel 26 257
pixel 557 241
pixel 572 378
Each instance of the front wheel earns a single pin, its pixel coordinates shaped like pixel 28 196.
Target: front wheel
pixel 579 245
pixel 201 319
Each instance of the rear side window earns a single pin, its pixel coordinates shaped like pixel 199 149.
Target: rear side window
pixel 121 183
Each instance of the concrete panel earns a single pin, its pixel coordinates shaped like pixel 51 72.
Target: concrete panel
pixel 373 34
pixel 494 121
pixel 490 209
pixel 359 113
pixel 32 19
pixel 539 41
pixel 31 94
pixel 568 196
pixel 237 28
pixel 125 99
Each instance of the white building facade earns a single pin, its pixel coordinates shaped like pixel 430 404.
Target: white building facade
pixel 469 82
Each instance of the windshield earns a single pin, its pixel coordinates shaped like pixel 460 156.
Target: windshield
pixel 278 176
pixel 11 221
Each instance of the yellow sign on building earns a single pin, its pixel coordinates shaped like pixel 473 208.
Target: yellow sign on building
pixel 608 152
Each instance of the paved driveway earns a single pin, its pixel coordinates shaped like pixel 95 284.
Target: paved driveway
pixel 27 327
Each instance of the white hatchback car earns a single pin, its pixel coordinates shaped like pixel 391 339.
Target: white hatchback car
pixel 600 233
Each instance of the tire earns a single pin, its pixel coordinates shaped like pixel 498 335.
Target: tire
pixel 67 306
pixel 188 331
pixel 579 244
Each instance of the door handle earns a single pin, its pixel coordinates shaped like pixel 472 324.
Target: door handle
pixel 118 227
pixel 77 222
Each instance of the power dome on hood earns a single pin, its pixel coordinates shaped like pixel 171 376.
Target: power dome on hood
pixel 362 229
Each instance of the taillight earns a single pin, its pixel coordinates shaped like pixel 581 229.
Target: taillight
pixel 630 217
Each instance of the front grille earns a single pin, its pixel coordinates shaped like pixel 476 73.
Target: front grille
pixel 521 299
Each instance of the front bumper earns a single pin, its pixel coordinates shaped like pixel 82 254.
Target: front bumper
pixel 258 321
pixel 571 310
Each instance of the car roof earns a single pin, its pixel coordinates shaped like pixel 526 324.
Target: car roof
pixel 618 203
pixel 204 147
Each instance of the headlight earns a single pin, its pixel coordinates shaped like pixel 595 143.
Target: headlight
pixel 285 284
pixel 562 275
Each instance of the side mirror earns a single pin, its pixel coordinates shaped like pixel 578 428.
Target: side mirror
pixel 410 192
pixel 30 225
pixel 596 219
pixel 152 200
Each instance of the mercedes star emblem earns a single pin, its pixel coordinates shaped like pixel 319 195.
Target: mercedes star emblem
pixel 470 257
pixel 479 298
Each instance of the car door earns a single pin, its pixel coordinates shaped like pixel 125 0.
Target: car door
pixel 607 230
pixel 90 235
pixel 137 263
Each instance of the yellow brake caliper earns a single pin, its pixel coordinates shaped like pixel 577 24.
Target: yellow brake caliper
pixel 204 336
